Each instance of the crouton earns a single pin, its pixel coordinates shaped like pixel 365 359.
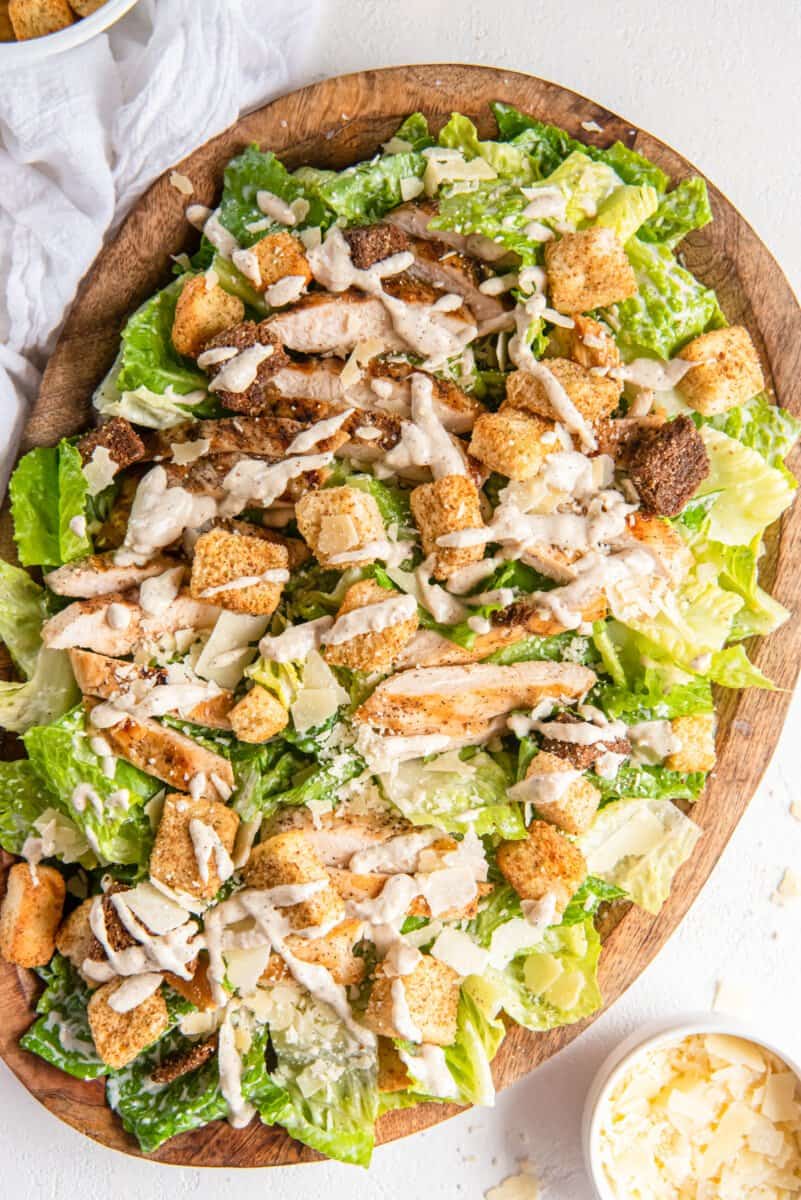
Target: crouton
pixel 257 397
pixel 119 437
pixel 617 437
pixel 338 523
pixel 447 504
pixel 370 244
pixel 590 345
pixel 588 270
pixel 167 754
pixel 76 941
pixel 574 810
pixel 37 18
pixel 697 736
pixel 594 396
pixel 279 255
pixel 545 861
pixel 255 569
pixel 666 466
pixel 334 951
pixel 258 716
pixel 85 8
pixel 288 858
pixel 120 1037
pixel 669 547
pixel 6 28
pixel 203 310
pixel 578 756
pixel 728 371
pixel 432 998
pixel 513 443
pixel 374 651
pixel 392 1073
pixel 297 550
pixel 174 860
pixel 183 1061
pixel 30 914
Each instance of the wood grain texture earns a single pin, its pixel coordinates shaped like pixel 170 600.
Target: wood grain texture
pixel 309 127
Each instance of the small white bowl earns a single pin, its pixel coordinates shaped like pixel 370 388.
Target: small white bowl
pixel 22 54
pixel 650 1037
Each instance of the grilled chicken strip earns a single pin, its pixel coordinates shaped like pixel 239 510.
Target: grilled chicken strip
pixel 99 575
pixel 116 624
pixel 337 836
pixel 355 887
pixel 446 268
pixel 267 437
pixel 465 699
pixel 109 678
pixel 334 324
pixel 414 219
pixel 167 754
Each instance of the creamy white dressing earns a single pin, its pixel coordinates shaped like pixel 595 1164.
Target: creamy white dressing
pixel 239 373
pixel 221 239
pixel 275 208
pixel 157 593
pixel 392 553
pixel 159 515
pixel 397 855
pixel 134 991
pixel 84 794
pixel 402 1021
pixel 218 354
pixel 652 741
pixel 653 373
pixel 274 575
pixel 240 1111
pixel 430 1072
pixel 581 733
pixel 307 439
pixel 77 525
pixel 205 843
pixel 545 788
pixel 252 481
pixel 564 409
pixel 296 642
pixel 285 291
pixel 371 618
pixel 444 607
pixel 172 951
pixel 424 440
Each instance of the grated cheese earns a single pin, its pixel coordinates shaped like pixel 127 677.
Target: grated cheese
pixel 711 1115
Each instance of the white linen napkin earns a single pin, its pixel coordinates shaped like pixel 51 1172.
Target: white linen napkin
pixel 84 133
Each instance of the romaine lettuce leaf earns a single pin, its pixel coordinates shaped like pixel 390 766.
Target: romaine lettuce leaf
pixel 494 210
pixel 392 501
pixel 585 184
pixel 478 1039
pixel 415 132
pixel 770 430
pixel 556 984
pixel 47 695
pixel 670 307
pixel 732 668
pixel 561 647
pixel 749 494
pixel 48 490
pixel 649 782
pixel 509 161
pixel 639 845
pixel 255 171
pixel 148 358
pixel 650 698
pixel 23 610
pixel 625 209
pixel 22 800
pixel 62 758
pixel 363 193
pixel 588 899
pixel 61 1033
pixel 737 568
pixel 456 795
pixel 682 210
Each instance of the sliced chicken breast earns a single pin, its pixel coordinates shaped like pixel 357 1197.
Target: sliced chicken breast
pixel 116 624
pixel 108 678
pixel 266 437
pixel 334 324
pixel 169 755
pixel 446 268
pixel 337 836
pixel 465 699
pixel 355 888
pixel 414 218
pixel 207 475
pixel 99 574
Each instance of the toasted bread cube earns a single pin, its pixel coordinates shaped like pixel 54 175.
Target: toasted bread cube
pixel 590 345
pixel 119 437
pixel 173 860
pixel 120 1037
pixel 392 1073
pixel 578 756
pixel 370 651
pixel 334 951
pixel 75 939
pixel 258 716
pixel 545 861
pixel 279 255
pixel 201 313
pixel 37 18
pixel 432 998
pixel 289 858
pixel 594 396
pixel 30 914
pixel 667 464
pixel 574 810
pixel 728 371
pixel 669 547
pixel 588 270
pixel 447 504
pixel 370 244
pixel 255 568
pixel 513 443
pixel 85 8
pixel 697 736
pixel 352 886
pixel 337 522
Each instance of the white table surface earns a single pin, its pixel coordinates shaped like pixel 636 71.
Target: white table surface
pixel 720 82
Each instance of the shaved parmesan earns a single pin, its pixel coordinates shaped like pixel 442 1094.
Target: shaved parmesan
pixel 515 1187
pixel 153 909
pixel 789 888
pixel 244 967
pixel 458 951
pixel 99 472
pixel 228 651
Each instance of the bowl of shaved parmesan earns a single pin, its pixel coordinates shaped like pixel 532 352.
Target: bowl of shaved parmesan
pixel 699 1107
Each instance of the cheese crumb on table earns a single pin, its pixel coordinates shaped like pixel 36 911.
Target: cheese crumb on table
pixel 515 1187
pixel 709 1116
pixel 789 888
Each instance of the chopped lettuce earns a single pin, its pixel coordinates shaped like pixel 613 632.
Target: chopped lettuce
pixel 585 184
pixel 456 794
pixel 48 491
pixel 23 610
pixel 652 698
pixel 588 899
pixel 499 907
pixel 23 799
pixel 61 1033
pixel 738 568
pixel 363 193
pixel 494 210
pixel 670 306
pixel 148 358
pixel 392 501
pixel 749 495
pixel 625 209
pixel 639 845
pixel 478 1039
pixel 509 161
pixel 560 647
pixel 682 210
pixel 62 758
pixel 649 782
pixel 770 430
pixel 414 132
pixel 255 171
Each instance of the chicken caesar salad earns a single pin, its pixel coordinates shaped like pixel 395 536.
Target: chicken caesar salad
pixel 370 639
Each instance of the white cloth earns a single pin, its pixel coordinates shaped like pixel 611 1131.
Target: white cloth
pixel 83 134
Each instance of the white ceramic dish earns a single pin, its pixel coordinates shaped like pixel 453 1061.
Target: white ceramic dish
pixel 649 1037
pixel 23 54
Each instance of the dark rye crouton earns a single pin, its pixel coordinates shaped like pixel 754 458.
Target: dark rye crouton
pixel 617 436
pixel 370 244
pixel 582 757
pixel 183 1061
pixel 666 465
pixel 119 437
pixel 254 399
